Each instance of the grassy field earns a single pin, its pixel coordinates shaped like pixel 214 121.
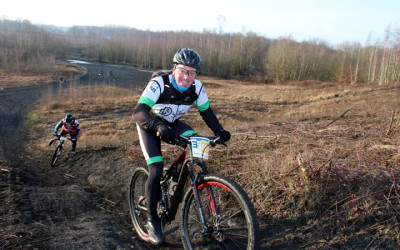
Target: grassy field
pixel 322 158
pixel 37 74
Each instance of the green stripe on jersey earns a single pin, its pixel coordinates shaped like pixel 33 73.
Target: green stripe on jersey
pixel 205 106
pixel 146 100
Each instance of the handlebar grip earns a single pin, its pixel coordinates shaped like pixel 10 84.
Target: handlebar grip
pixel 181 142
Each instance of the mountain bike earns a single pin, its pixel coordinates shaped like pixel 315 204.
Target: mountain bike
pixel 216 212
pixel 59 148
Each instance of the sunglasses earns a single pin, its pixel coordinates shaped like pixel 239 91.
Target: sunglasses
pixel 186 72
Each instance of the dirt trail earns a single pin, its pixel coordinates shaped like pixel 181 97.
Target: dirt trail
pixel 82 204
pixel 14 103
pixel 48 208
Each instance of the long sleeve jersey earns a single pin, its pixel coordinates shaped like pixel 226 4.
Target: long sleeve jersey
pixel 161 103
pixel 68 128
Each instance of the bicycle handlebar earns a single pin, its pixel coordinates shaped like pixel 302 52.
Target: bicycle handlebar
pixel 184 140
pixel 59 137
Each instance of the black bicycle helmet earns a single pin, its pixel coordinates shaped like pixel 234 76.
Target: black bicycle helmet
pixel 69 118
pixel 187 57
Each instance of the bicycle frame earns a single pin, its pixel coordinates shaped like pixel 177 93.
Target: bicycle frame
pixel 188 168
pixel 215 210
pixel 62 139
pixel 171 207
pixel 58 150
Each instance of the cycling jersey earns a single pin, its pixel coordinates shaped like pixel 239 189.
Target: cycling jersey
pixel 72 129
pixel 173 104
pixel 163 101
pixel 160 104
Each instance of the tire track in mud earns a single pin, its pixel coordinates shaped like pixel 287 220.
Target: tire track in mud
pixel 41 208
pixel 14 104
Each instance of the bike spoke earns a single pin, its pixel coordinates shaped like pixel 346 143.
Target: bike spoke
pixel 233 214
pixel 225 217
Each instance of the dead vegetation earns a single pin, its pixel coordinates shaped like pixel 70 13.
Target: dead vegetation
pixel 37 74
pixel 320 162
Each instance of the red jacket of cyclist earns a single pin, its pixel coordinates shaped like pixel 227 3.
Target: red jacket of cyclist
pixel 157 114
pixel 69 125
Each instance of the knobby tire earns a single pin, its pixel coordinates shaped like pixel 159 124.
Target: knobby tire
pixel 136 203
pixel 236 224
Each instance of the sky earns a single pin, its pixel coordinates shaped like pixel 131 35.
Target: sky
pixel 331 21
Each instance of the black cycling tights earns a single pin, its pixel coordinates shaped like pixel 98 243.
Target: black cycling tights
pixel 153 189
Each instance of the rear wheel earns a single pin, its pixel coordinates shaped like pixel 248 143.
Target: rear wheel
pixel 137 201
pixel 231 220
pixel 56 155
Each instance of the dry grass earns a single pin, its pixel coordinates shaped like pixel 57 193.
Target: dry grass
pixel 103 112
pixel 302 159
pixel 340 177
pixel 37 74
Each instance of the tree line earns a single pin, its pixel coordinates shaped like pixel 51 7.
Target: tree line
pixel 227 55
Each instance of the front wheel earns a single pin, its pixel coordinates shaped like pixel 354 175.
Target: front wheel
pixel 137 202
pixel 56 155
pixel 230 218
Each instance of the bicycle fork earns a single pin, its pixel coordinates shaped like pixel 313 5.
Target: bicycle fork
pixel 211 199
pixel 60 145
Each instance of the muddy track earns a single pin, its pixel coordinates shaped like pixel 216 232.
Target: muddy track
pixel 48 208
pixel 81 205
pixel 14 102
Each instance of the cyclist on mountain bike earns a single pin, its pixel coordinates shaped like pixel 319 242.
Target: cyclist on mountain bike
pixel 163 102
pixel 70 126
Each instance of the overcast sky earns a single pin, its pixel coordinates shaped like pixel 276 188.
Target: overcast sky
pixel 333 21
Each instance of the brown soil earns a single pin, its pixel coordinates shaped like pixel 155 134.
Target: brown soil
pixel 58 208
pixel 82 203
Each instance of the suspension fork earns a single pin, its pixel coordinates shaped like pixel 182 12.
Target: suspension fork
pixel 211 198
pixel 210 194
pixel 61 144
